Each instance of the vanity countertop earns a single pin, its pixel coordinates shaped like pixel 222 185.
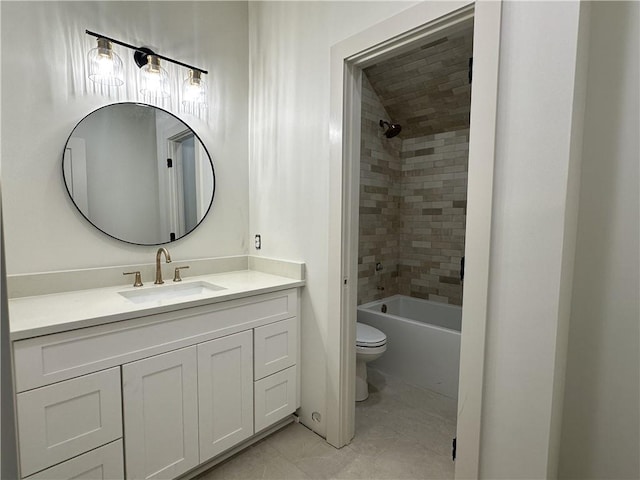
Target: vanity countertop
pixel 46 314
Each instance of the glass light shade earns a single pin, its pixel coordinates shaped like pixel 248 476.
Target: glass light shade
pixel 104 65
pixel 154 78
pixel 194 89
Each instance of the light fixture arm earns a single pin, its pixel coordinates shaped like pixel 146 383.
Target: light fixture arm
pixel 141 53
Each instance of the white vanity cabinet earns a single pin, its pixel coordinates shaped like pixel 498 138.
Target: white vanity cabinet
pixel 156 396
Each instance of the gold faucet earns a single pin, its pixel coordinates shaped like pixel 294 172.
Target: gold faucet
pixel 167 257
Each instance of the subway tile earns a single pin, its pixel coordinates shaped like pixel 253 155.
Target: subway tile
pixel 432 211
pixel 407 184
pixel 438 298
pixel 451 280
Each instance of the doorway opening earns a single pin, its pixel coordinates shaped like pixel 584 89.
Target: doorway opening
pixel 416 27
pixel 412 209
pixel 185 189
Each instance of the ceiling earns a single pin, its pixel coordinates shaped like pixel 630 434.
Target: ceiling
pixel 427 89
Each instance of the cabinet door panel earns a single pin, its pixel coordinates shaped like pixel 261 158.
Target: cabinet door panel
pixel 275 397
pixel 225 392
pixel 66 419
pixel 161 415
pixel 104 463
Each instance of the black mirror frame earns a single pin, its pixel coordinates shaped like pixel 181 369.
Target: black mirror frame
pixel 213 173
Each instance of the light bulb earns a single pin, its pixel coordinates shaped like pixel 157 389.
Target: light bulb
pixel 104 65
pixel 155 80
pixel 194 89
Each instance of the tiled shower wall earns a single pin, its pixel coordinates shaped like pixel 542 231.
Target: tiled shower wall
pixel 413 197
pixel 427 89
pixel 380 168
pixel 433 215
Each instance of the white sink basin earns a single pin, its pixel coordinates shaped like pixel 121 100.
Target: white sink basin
pixel 170 292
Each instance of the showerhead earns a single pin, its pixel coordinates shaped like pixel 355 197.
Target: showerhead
pixel 393 129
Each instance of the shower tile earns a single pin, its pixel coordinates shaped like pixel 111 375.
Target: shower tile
pixel 415 183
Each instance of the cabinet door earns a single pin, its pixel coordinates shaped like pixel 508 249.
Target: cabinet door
pixel 103 463
pixel 225 392
pixel 65 419
pixel 160 397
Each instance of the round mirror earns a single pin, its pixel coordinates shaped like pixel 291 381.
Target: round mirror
pixel 138 173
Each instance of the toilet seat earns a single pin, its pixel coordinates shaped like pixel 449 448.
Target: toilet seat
pixel 369 337
pixel 371 350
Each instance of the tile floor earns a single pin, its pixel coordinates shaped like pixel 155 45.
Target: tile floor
pixel 402 432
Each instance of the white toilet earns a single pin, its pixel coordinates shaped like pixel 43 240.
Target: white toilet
pixel 370 344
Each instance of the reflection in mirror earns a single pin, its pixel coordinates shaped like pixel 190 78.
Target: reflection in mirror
pixel 138 173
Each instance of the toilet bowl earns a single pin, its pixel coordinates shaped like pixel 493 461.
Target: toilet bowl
pixel 371 343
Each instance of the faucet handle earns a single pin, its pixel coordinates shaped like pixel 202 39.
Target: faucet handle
pixel 176 275
pixel 138 280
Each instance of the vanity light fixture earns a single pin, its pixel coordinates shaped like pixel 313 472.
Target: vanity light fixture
pixel 194 89
pixel 154 78
pixel 105 66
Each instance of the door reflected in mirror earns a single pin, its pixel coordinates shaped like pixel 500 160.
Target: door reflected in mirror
pixel 138 173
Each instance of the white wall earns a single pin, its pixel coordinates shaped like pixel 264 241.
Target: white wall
pixel 535 210
pixel 289 152
pixel 601 423
pixel 533 237
pixel 45 93
pixel 8 444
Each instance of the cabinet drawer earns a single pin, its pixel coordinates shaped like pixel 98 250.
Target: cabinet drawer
pixel 103 463
pixel 275 347
pixel 66 419
pixel 275 397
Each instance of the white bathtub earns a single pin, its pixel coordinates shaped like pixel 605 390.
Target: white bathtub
pixel 423 341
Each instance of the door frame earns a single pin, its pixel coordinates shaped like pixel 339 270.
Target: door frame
pixel 75 172
pixel 386 39
pixel 176 175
